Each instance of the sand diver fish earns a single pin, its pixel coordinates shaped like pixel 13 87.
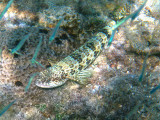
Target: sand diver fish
pixel 74 66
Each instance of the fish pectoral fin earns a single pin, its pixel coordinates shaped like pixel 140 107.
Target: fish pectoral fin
pixel 52 61
pixel 82 77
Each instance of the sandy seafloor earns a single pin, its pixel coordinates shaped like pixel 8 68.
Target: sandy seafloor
pixel 113 92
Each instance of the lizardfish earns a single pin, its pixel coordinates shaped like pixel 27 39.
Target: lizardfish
pixel 74 66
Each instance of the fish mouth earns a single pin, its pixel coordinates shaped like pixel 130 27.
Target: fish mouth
pixel 50 84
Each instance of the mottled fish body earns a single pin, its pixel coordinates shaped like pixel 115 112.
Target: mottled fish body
pixel 73 66
pixel 132 16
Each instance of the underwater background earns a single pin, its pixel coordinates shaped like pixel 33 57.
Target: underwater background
pixel 113 92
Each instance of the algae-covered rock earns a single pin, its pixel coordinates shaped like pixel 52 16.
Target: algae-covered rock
pixel 113 91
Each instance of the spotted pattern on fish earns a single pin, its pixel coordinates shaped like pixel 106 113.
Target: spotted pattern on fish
pixel 72 66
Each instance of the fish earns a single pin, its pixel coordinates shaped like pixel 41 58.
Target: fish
pixel 6 8
pixel 33 60
pixel 133 110
pixel 132 16
pixel 0 54
pixel 155 89
pixel 6 107
pixel 20 44
pixel 74 67
pixel 136 13
pixel 55 31
pixel 112 37
pixel 30 81
pixel 143 68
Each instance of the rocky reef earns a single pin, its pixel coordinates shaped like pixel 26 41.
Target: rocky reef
pixel 114 90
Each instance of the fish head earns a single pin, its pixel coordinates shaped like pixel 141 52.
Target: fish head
pixel 51 78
